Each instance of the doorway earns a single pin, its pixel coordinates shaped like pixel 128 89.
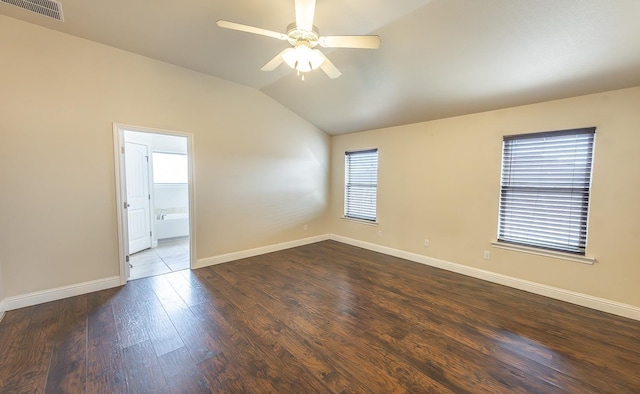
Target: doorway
pixel 155 200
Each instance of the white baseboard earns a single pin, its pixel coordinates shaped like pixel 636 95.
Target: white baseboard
pixel 601 304
pixel 59 293
pixel 243 254
pixel 2 309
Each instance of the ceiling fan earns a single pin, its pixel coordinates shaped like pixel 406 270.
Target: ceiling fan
pixel 304 37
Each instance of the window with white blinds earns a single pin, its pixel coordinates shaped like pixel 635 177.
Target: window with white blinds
pixel 361 184
pixel 545 187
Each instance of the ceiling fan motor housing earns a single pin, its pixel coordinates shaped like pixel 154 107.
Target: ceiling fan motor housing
pixel 297 36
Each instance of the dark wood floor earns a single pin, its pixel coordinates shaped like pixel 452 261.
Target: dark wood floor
pixel 325 317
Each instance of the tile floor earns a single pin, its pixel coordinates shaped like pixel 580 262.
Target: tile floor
pixel 171 255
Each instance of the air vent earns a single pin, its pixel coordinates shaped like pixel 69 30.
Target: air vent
pixel 49 8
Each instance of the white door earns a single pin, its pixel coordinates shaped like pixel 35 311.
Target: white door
pixel 136 158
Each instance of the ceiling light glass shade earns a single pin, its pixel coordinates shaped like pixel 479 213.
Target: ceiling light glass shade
pixel 303 58
pixel 289 56
pixel 316 58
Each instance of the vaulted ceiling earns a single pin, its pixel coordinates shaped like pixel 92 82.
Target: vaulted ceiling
pixel 438 58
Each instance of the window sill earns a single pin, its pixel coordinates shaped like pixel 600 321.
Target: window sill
pixel 543 252
pixel 367 222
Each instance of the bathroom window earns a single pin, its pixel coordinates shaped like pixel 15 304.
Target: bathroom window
pixel 170 168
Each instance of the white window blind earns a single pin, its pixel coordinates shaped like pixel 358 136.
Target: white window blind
pixel 545 187
pixel 361 184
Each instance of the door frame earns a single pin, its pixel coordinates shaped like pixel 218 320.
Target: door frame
pixel 121 194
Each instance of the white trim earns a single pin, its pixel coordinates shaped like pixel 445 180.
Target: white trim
pixel 361 221
pixel 2 309
pixel 59 293
pixel 123 232
pixel 601 304
pixel 543 252
pixel 123 244
pixel 225 258
pixel 192 199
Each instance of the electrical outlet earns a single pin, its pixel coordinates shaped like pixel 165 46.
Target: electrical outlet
pixel 486 255
pixel 379 233
pixel 305 227
pixel 426 243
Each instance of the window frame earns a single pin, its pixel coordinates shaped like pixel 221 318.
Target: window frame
pixel 579 195
pixel 369 209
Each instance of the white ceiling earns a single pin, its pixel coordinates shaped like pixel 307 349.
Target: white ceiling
pixel 438 58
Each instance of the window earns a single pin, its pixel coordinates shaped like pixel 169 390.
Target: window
pixel 170 168
pixel 545 186
pixel 361 184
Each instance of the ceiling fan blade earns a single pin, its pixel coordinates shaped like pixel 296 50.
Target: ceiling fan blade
pixel 251 29
pixel 305 10
pixel 365 42
pixel 275 62
pixel 330 69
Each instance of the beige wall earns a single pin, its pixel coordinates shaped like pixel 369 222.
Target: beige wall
pixel 440 180
pixel 261 171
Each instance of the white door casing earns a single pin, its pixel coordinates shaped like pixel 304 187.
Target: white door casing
pixel 138 199
pixel 121 194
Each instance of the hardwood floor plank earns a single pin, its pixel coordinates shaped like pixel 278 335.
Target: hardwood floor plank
pixel 28 359
pixel 159 327
pixel 182 374
pixel 130 322
pixel 12 332
pixel 239 364
pixel 189 288
pixel 165 292
pixel 17 316
pixel 67 369
pixel 105 367
pixel 222 378
pixel 195 333
pixel 143 371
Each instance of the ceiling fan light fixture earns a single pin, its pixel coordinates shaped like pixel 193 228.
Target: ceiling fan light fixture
pixel 316 58
pixel 302 58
